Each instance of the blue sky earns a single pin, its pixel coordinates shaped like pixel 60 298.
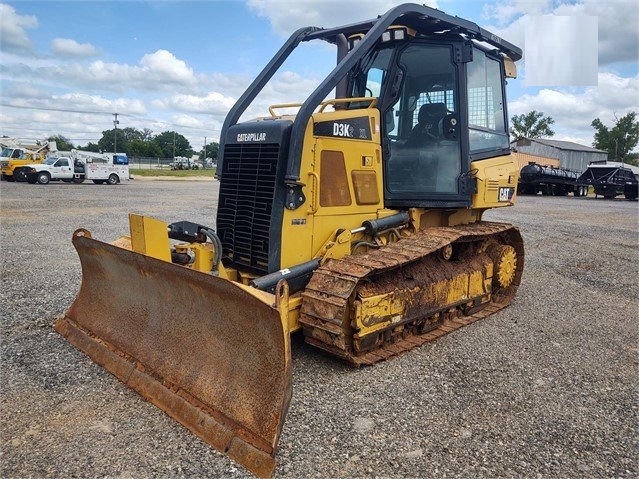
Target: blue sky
pixel 165 65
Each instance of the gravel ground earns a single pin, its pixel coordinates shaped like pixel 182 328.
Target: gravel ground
pixel 545 388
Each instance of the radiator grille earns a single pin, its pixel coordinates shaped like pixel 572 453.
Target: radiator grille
pixel 247 191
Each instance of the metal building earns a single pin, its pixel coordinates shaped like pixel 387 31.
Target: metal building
pixel 572 156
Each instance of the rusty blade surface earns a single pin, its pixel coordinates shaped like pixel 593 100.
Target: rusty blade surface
pixel 207 352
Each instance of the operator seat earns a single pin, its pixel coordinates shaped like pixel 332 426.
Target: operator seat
pixel 428 127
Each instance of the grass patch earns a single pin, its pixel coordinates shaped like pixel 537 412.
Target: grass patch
pixel 177 173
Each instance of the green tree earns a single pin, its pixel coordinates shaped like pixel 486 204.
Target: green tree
pixel 210 150
pixel 62 142
pixel 107 142
pixel 137 148
pixel 144 149
pixel 531 125
pixel 619 140
pixel 173 144
pixel 146 134
pixel 90 147
pixel 126 137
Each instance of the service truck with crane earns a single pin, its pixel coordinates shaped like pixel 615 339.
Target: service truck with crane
pixel 78 166
pixel 16 155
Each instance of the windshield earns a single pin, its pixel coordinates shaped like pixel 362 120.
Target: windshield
pixel 6 152
pixel 51 160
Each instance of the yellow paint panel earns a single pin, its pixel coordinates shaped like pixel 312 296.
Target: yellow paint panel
pixel 376 313
pixel 366 188
pixel 149 237
pixel 334 190
pixel 476 285
pixel 491 175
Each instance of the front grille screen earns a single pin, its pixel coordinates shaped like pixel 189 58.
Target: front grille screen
pixel 246 203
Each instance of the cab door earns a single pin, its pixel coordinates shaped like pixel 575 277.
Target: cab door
pixel 425 154
pixel 62 169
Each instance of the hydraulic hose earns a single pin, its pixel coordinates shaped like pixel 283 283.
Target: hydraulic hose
pixel 217 245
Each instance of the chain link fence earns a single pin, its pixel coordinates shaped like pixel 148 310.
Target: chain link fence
pixel 142 163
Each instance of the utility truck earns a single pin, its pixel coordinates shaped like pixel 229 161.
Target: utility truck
pixel 79 166
pixel 15 156
pixel 182 163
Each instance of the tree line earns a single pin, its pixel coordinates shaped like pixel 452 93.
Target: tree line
pixel 141 143
pixel 618 140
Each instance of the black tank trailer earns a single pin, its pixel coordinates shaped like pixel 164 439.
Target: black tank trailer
pixel 611 179
pixel 550 180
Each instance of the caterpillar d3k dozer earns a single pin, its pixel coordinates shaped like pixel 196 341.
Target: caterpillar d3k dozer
pixel 357 221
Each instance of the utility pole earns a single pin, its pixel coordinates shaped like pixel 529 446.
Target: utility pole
pixel 205 149
pixel 174 146
pixel 115 133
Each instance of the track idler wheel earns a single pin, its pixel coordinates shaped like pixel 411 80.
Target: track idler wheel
pixel 505 259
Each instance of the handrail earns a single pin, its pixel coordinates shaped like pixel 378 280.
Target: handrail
pixel 271 109
pixel 371 99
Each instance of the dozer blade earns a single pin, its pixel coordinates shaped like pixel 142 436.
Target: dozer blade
pixel 203 349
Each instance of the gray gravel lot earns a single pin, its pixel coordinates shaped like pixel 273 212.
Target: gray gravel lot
pixel 545 388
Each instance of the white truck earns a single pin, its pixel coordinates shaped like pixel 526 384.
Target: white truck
pixel 79 166
pixel 16 155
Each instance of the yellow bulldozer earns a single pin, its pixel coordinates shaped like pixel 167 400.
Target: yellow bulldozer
pixel 356 221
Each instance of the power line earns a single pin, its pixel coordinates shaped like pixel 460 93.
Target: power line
pixel 64 110
pixel 89 112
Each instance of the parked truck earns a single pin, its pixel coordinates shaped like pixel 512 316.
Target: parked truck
pixel 611 178
pixel 79 166
pixel 182 163
pixel 16 156
pixel 550 180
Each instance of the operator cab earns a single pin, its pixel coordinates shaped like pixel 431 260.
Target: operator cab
pixel 428 140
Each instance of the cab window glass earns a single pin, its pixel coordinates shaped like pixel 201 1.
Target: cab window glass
pixel 486 112
pixel 424 148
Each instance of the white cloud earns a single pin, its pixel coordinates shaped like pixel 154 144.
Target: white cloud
pixel 617 24
pixel 187 121
pixel 155 72
pixel 505 12
pixel 82 115
pixel 66 47
pixel 286 16
pixel 84 102
pixel 212 103
pixel 13 29
pixel 573 109
pixel 618 31
pixel 24 90
pixel 70 103
pixel 286 87
pixel 165 65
